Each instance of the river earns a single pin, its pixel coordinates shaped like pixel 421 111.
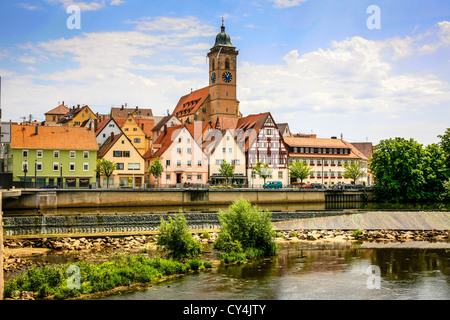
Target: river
pixel 301 271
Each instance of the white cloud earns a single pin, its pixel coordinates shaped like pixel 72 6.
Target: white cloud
pixel 94 5
pixel 29 6
pixel 282 4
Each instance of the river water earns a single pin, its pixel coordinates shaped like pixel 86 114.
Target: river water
pixel 396 271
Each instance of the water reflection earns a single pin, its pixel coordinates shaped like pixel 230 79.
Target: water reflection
pixel 318 271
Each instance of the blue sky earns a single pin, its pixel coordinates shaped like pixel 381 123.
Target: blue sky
pixel 314 64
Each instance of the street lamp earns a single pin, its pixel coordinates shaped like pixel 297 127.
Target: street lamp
pixel 35 173
pixel 61 177
pixel 25 170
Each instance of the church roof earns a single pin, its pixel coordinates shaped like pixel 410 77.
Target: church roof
pixel 223 39
pixel 190 103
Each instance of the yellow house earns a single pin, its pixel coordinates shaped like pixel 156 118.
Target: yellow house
pixel 135 132
pixel 130 164
pixel 77 116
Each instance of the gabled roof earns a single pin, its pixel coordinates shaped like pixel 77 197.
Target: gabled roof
pixel 108 144
pixel 55 138
pixel 165 140
pixel 60 110
pixel 252 122
pixel 190 103
pixel 125 112
pixel 73 113
pixel 223 123
pixel 146 125
pixel 103 124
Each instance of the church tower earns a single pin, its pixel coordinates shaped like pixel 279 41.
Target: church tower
pixel 223 78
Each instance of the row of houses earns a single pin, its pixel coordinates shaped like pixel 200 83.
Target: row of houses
pixel 64 152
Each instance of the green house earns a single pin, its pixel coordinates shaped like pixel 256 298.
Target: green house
pixel 52 156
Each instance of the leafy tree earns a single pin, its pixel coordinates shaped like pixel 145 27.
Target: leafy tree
pixel 106 168
pixel 435 172
pixel 262 170
pixel 445 144
pixel 246 227
pixel 226 170
pixel 300 170
pixel 156 168
pixel 353 171
pixel 176 238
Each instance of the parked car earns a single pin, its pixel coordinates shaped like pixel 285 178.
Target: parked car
pixel 348 186
pixel 273 185
pixel 50 187
pixel 317 186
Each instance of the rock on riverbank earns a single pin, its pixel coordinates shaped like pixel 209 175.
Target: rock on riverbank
pixel 365 235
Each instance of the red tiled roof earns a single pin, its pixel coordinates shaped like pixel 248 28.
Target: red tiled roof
pixel 190 103
pixel 60 110
pixel 125 112
pixel 62 138
pixel 165 140
pixel 146 125
pixel 107 145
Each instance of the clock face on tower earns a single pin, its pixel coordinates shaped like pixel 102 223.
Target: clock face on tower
pixel 213 77
pixel 227 76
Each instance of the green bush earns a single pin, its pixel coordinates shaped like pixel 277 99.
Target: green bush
pixel 207 264
pixel 357 233
pixel 245 226
pixel 233 257
pixel 176 238
pixel 195 264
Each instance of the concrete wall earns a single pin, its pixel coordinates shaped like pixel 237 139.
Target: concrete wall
pixel 167 197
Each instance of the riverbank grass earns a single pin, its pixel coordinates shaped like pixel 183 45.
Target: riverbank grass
pixel 86 278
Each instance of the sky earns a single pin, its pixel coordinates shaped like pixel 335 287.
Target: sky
pixel 363 70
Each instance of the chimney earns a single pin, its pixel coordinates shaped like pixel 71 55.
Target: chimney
pixel 112 136
pixel 95 125
pixel 63 103
pixel 333 137
pixel 121 108
pixel 165 130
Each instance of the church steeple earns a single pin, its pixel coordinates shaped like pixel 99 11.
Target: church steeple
pixel 223 39
pixel 223 77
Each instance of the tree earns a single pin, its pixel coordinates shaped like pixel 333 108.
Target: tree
pixel 353 171
pixel 397 165
pixel 435 172
pixel 245 227
pixel 106 168
pixel 156 168
pixel 300 170
pixel 226 170
pixel 176 237
pixel 445 144
pixel 262 170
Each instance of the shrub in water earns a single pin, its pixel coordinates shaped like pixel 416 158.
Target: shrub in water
pixel 246 226
pixel 195 264
pixel 176 238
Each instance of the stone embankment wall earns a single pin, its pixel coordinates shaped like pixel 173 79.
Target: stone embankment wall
pixel 169 197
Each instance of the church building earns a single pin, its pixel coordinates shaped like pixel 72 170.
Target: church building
pixel 219 98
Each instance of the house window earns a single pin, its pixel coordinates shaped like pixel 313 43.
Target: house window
pixel 126 129
pixel 167 163
pixel 137 140
pixel 230 150
pixel 189 176
pixel 116 154
pixel 179 150
pixel 38 166
pixel 167 176
pixel 189 163
pixel 189 150
pixel 72 166
pixel 55 166
pixel 72 154
pixel 56 154
pixel 24 153
pixel 39 153
pixel 178 163
pixel 199 163
pixel 134 166
pixel 188 140
pixel 253 174
pixel 85 166
pixel 179 139
pixel 86 154
pixel 280 174
pixel 120 166
pixel 224 150
pixel 199 176
pixel 134 129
